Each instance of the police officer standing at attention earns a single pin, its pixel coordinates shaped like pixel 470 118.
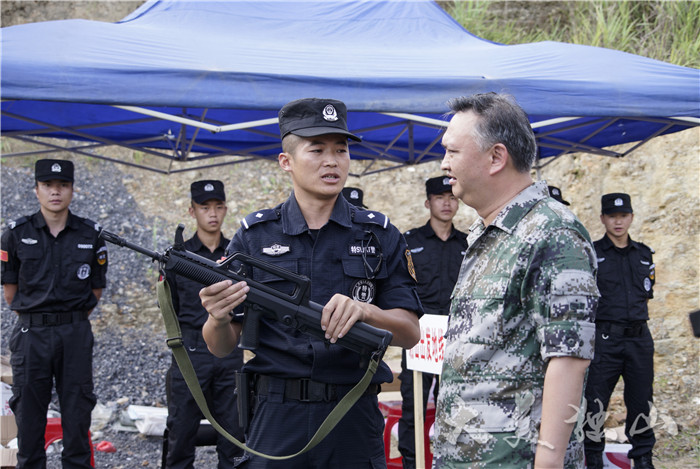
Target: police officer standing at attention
pixel 623 345
pixel 437 249
pixel 360 269
pixel 54 268
pixel 217 376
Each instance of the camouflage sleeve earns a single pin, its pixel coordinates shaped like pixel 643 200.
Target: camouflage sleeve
pixel 567 296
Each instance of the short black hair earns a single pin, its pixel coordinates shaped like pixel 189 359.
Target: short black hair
pixel 503 121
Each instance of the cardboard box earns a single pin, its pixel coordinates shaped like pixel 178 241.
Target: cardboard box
pixel 8 432
pixel 5 370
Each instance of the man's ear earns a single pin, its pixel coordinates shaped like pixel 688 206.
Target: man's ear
pixel 499 158
pixel 284 159
pixel 191 210
pixel 427 203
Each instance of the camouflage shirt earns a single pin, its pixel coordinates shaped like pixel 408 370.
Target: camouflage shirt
pixel 526 292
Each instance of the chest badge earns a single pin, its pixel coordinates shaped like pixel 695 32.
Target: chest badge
pixel 29 241
pixel 83 271
pixel 276 250
pixel 363 290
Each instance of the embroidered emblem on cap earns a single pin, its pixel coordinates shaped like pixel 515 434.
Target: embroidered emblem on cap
pixel 363 290
pixel 84 271
pixel 329 113
pixel 618 202
pixel 276 250
pixel 354 194
pixel 208 188
pixel 56 168
pixel 446 182
pixel 555 192
pixel 29 241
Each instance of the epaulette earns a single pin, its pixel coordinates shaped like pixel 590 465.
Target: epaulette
pixel 645 246
pixel 19 221
pixel 370 216
pixel 92 224
pixel 260 216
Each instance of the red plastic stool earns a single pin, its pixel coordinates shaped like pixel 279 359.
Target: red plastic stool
pixel 54 432
pixel 392 412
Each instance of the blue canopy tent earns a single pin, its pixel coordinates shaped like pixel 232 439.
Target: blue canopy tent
pixel 194 84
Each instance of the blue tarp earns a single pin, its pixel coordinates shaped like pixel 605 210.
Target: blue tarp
pixel 394 63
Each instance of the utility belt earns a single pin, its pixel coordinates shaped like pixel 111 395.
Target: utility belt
pixel 634 329
pixel 306 390
pixel 52 319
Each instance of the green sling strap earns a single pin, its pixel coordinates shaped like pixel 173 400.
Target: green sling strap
pixel 174 341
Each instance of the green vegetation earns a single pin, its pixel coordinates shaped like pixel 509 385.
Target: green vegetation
pixel 663 30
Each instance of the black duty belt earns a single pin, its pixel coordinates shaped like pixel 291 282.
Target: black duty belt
pixel 52 319
pixel 635 329
pixel 307 390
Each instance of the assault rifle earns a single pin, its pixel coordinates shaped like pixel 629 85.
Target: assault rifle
pixel 293 309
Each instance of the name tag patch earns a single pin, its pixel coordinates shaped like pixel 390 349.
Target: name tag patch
pixel 359 250
pixel 84 246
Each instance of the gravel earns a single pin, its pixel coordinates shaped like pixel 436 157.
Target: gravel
pixel 130 356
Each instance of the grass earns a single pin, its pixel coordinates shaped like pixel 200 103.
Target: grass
pixel 662 30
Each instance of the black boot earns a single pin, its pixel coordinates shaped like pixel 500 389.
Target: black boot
pixel 594 460
pixel 643 462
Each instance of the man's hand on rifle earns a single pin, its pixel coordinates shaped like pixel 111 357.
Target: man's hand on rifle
pixel 219 299
pixel 339 315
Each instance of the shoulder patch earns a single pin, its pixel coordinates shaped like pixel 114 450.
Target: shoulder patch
pixel 645 247
pixel 370 216
pixel 260 216
pixel 19 221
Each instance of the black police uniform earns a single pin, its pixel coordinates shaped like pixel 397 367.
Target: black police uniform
pixel 53 338
pixel 216 375
pixel 358 253
pixel 623 345
pixel 437 265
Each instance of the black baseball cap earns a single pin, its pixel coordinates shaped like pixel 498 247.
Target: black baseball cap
pixel 354 196
pixel 437 185
pixel 555 193
pixel 311 117
pixel 616 202
pixel 207 189
pixel 46 170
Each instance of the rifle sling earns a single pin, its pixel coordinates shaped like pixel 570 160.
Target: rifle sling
pixel 174 341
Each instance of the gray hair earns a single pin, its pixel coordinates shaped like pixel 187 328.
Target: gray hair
pixel 501 120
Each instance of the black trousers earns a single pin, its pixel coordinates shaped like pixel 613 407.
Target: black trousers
pixel 407 436
pixel 41 354
pixel 217 379
pixel 632 358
